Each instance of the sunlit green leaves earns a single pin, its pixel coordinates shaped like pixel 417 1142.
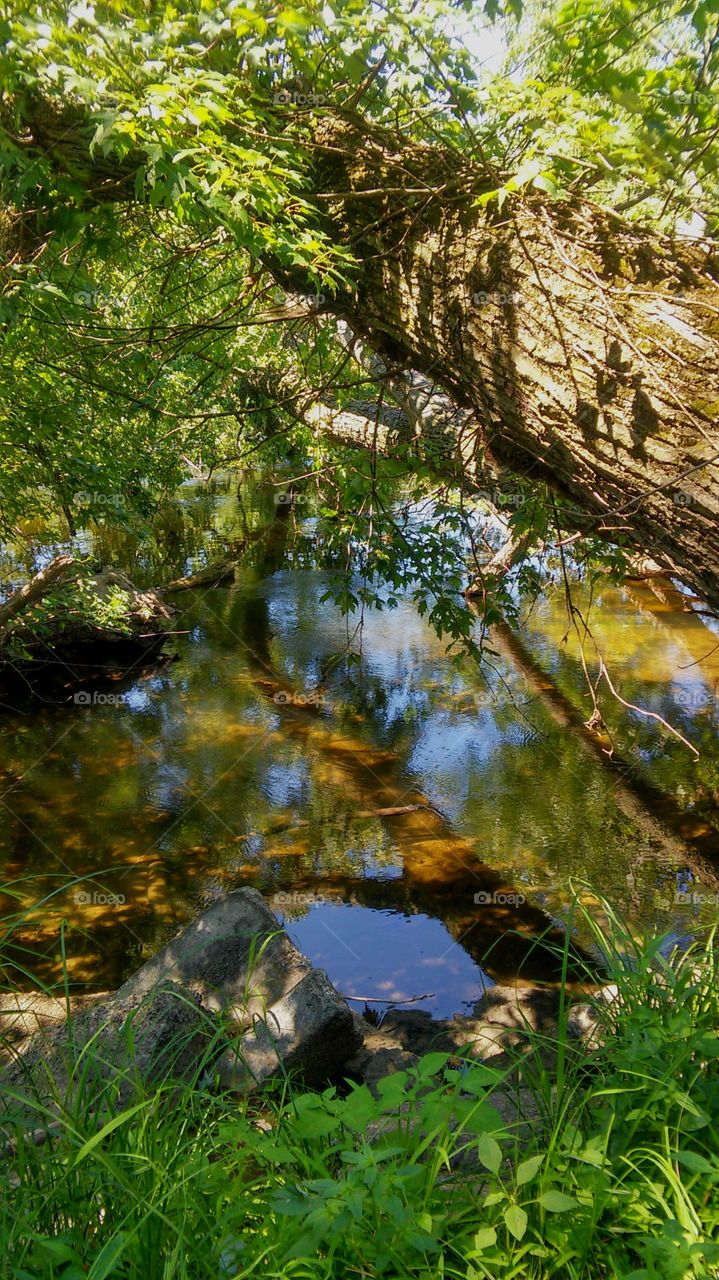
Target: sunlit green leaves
pixel 614 97
pixel 206 119
pixel 516 1221
pixel 555 1201
pixel 528 1169
pixel 489 1152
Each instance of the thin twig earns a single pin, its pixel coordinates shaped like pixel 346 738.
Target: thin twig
pixel 642 711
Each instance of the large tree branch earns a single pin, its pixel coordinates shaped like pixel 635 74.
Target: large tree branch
pixel 583 345
pixel 56 572
pixel 581 349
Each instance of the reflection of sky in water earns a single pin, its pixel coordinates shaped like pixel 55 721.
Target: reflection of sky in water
pixel 385 956
pixel 284 784
pixel 446 755
pixel 380 872
pixel 195 759
pixel 139 698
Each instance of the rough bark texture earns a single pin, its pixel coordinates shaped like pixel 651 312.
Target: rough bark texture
pixel 586 348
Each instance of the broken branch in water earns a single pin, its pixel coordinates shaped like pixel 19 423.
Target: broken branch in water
pixel 642 711
pixel 221 570
pixel 428 995
pixel 391 811
pixel 210 576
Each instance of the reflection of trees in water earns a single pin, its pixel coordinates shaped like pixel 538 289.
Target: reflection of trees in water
pixel 538 809
pixel 203 522
pixel 132 797
pixel 441 872
pixel 122 789
pixel 662 659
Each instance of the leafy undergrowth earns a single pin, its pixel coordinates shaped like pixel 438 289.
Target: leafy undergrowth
pixel 75 609
pixel 616 1178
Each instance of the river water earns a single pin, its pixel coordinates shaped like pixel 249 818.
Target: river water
pixel 262 757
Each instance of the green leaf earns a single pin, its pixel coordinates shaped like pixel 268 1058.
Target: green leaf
pixel 516 1221
pixel 293 20
pixel 480 1078
pixel 315 1124
pixel 527 1169
pixel 106 1130
pixel 106 1260
pixel 709 1046
pixel 697 1163
pixel 489 1152
pixel 431 1063
pixel 557 1202
pixel 494 1197
pixel 57 1248
pixel 485 1238
pixel 544 182
pixel 44 286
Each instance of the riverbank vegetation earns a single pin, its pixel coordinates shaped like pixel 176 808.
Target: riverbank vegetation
pixel 614 1173
pixel 207 218
pixel 310 314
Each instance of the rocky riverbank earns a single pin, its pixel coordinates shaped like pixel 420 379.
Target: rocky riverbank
pixel 232 993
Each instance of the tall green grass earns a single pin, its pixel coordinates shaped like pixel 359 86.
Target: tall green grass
pixel 615 1178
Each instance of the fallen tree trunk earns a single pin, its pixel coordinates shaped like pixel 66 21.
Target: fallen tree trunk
pixel 584 345
pixel 57 571
pixel 222 570
pixel 212 575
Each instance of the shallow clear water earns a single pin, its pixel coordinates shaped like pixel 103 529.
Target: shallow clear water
pixel 260 757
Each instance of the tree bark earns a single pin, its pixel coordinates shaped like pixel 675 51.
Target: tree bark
pixel 54 573
pixel 584 346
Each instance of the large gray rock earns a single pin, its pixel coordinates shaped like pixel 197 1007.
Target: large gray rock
pixel 241 964
pixel 109 1051
pixel 235 956
pixel 310 1030
pixel 229 992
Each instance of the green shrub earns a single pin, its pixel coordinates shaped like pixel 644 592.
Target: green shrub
pixel 615 1179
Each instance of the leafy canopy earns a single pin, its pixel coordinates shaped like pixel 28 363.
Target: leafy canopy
pixel 155 156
